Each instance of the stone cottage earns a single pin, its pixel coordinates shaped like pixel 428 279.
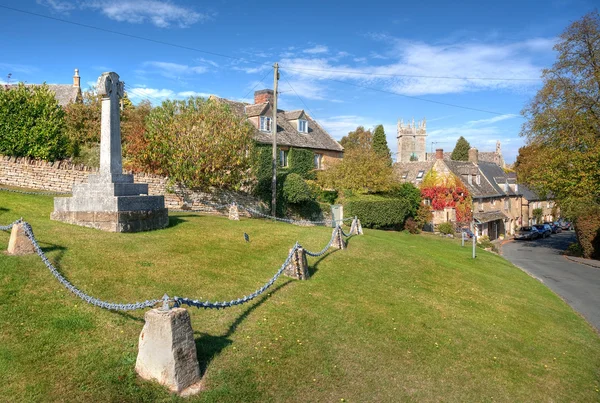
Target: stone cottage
pixel 294 128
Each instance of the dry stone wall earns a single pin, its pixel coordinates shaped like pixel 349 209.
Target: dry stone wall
pixel 59 176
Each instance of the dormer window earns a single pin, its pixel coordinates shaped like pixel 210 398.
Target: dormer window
pixel 302 126
pixel 265 124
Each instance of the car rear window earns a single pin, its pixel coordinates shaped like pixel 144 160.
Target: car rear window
pixel 525 229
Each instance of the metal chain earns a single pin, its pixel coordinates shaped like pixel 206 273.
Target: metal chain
pixel 34 193
pixel 325 249
pixel 9 226
pixel 226 304
pixel 87 298
pixel 178 301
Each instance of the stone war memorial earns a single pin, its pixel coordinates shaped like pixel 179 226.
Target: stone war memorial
pixel 110 201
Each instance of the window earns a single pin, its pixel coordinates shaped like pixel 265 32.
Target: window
pixel 318 160
pixel 493 202
pixel 420 174
pixel 283 158
pixel 478 179
pixel 506 204
pixel 470 179
pixel 265 124
pixel 405 175
pixel 302 126
pixel 427 202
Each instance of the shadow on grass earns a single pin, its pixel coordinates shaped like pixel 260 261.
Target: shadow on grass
pixel 208 346
pixel 175 220
pixel 314 268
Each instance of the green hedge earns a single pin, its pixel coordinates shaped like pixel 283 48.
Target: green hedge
pixel 31 123
pixel 378 211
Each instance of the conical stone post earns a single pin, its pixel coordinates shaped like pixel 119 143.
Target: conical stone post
pixel 338 240
pixel 19 244
pixel 298 266
pixel 167 351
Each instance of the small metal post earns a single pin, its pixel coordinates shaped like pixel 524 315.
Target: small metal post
pixel 165 305
pixel 463 239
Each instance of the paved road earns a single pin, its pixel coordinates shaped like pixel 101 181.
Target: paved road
pixel 577 284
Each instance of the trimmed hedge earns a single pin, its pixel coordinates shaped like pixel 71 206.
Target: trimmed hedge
pixel 378 211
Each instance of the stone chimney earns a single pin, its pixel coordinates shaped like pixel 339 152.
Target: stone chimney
pixel 474 156
pixel 263 96
pixel 76 79
pixel 439 154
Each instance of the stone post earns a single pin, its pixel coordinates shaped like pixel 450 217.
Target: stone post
pixel 111 89
pixel 358 226
pixel 234 214
pixel 19 244
pixel 167 351
pixel 298 267
pixel 338 241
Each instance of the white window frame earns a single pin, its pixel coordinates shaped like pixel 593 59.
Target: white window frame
pixel 303 122
pixel 405 175
pixel 420 174
pixel 470 179
pixel 283 158
pixel 318 161
pixel 265 124
pixel 478 179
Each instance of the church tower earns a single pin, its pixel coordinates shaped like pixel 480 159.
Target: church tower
pixel 412 141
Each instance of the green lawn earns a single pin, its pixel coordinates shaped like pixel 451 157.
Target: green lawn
pixel 395 317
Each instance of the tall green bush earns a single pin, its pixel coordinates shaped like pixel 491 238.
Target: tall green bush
pixel 376 211
pixel 31 123
pixel 296 190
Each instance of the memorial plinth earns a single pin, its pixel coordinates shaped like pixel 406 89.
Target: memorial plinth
pixel 110 201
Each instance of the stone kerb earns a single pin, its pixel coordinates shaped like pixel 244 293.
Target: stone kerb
pixel 298 266
pixel 19 244
pixel 167 351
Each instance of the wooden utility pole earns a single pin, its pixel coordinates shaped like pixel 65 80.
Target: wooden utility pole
pixel 274 128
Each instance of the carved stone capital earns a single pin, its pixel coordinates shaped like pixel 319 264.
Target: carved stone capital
pixel 109 85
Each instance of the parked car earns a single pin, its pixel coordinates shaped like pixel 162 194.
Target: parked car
pixel 554 226
pixel 566 225
pixel 544 230
pixel 528 233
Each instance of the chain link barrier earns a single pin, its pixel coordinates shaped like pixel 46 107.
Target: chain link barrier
pixel 226 304
pixel 177 301
pixel 34 193
pixel 9 226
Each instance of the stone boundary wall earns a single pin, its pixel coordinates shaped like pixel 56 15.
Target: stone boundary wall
pixel 59 176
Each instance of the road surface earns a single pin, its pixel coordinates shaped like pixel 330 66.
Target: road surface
pixel 577 284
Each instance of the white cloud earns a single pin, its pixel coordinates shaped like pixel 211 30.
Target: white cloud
pixel 491 120
pixel 17 68
pixel 158 13
pixel 57 5
pixel 175 70
pixel 417 68
pixel 317 49
pixel 187 94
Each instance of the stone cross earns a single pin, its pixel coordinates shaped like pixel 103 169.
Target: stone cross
pixel 111 89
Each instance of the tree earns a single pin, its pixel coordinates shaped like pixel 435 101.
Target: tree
pixel 563 125
pixel 361 170
pixel 461 150
pixel 198 143
pixel 380 144
pixel 31 123
pixel 360 138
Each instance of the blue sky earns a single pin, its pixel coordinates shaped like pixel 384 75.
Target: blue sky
pixel 351 63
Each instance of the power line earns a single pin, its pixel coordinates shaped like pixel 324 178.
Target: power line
pixel 350 72
pixel 256 85
pixel 405 96
pixel 301 100
pixel 141 38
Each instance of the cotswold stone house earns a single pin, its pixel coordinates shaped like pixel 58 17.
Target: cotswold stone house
pixel 496 197
pixel 532 201
pixel 64 93
pixel 294 128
